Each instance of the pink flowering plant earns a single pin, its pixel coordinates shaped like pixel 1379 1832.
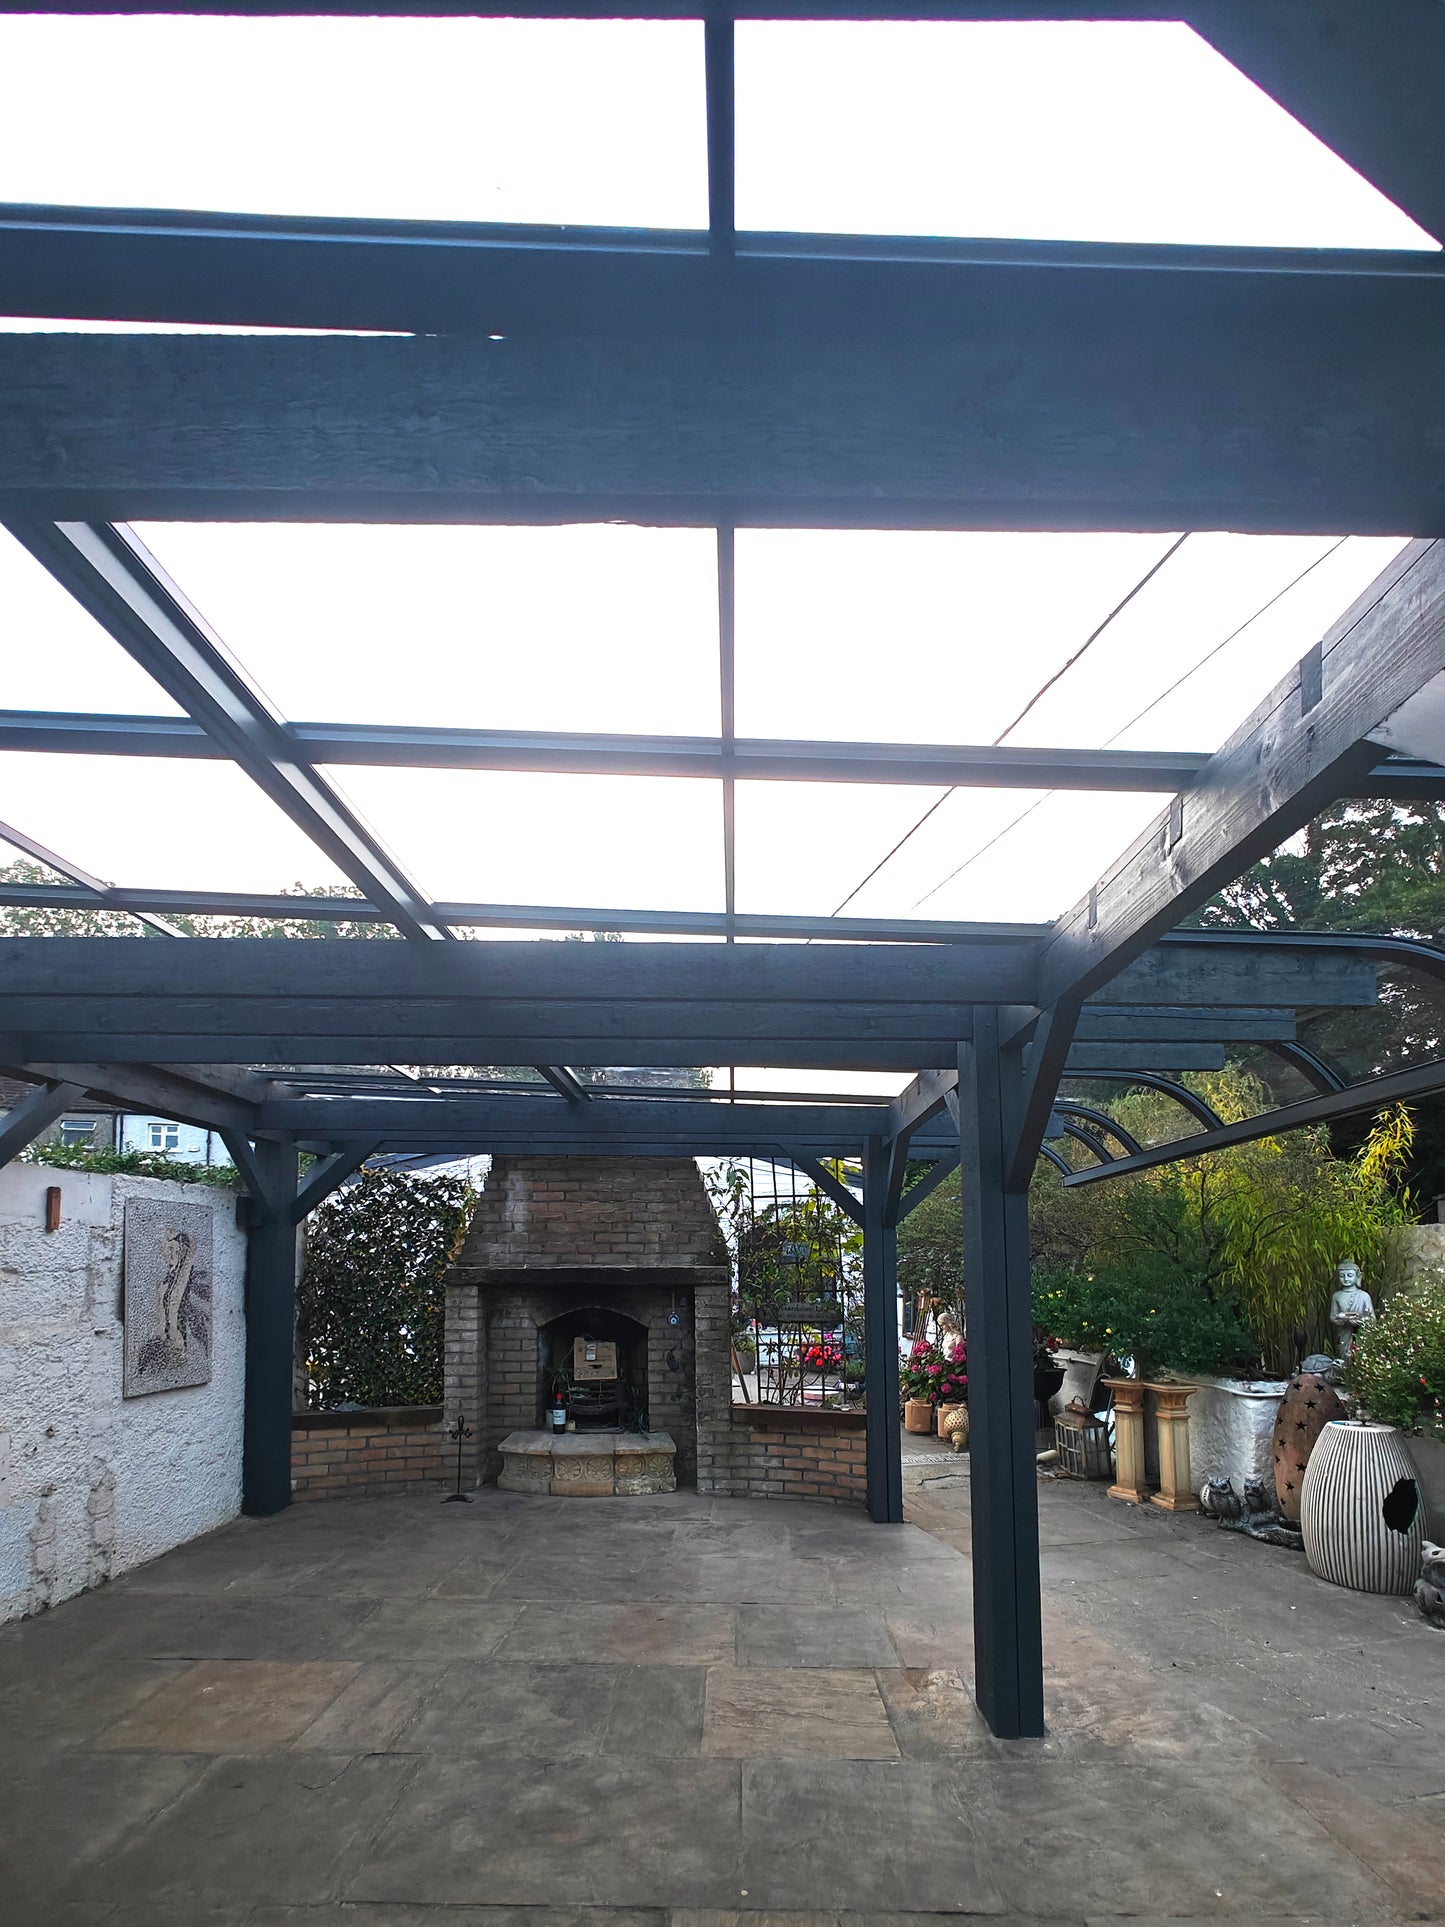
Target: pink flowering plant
pixel 933 1375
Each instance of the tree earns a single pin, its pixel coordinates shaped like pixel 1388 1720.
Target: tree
pixel 1368 867
pixel 33 920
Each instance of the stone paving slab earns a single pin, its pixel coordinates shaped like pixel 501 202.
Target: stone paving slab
pixel 529 1831
pixel 783 1636
pixel 815 1713
pixel 231 1706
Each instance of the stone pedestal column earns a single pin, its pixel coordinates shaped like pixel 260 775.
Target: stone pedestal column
pixel 1176 1492
pixel 1130 1482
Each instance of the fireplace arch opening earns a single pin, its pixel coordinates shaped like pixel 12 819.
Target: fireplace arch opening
pixel 597 1401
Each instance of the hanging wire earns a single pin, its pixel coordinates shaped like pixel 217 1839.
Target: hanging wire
pixel 1009 728
pixel 1124 728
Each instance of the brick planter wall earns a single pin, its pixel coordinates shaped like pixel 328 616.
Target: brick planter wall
pixel 786 1452
pixel 395 1448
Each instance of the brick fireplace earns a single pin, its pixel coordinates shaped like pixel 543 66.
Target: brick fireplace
pixel 623 1251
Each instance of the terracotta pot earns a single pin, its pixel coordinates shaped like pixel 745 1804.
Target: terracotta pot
pixel 1360 1509
pixel 917 1415
pixel 943 1412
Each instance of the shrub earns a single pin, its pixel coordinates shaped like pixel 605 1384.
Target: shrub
pixel 372 1300
pixel 1396 1368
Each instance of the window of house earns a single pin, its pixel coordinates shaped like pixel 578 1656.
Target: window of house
pixel 164 1137
pixel 77 1130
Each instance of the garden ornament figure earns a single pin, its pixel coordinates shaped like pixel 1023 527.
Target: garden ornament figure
pixel 1252 1512
pixel 1351 1307
pixel 1430 1586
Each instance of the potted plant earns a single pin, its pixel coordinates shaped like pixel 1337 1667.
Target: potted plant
pixel 1396 1373
pixel 918 1378
pixel 1048 1371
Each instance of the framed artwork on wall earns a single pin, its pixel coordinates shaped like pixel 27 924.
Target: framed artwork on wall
pixel 166 1269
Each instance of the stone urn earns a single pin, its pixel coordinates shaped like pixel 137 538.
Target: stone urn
pixel 1360 1509
pixel 1309 1404
pixel 945 1412
pixel 917 1415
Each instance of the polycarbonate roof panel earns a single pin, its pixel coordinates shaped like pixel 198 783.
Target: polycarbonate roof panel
pixel 152 823
pixel 573 628
pixel 950 637
pixel 54 656
pixel 495 836
pixel 591 121
pixel 1045 130
pixel 1020 856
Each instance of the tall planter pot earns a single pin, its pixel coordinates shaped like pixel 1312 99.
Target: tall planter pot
pixel 1360 1509
pixel 1081 1377
pixel 1231 1429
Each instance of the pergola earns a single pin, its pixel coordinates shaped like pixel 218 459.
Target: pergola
pixel 720 379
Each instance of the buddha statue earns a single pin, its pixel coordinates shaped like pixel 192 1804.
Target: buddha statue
pixel 1351 1307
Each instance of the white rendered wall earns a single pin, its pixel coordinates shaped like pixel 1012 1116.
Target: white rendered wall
pixel 92 1483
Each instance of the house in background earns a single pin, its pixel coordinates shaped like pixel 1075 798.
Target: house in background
pixel 100 1127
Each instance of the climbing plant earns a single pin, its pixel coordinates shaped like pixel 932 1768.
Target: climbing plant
pixel 372 1293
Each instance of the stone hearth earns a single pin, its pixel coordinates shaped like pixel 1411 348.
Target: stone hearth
pixel 588 1465
pixel 622 1251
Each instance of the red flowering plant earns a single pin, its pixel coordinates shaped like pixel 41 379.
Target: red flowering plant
pixel 823 1355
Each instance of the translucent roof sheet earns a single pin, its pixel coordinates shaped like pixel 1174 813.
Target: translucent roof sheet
pixel 495 836
pixel 54 656
pixel 597 121
pixel 519 628
pixel 158 823
pixel 1055 130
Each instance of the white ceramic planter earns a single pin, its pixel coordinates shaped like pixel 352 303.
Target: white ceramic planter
pixel 1081 1375
pixel 1231 1429
pixel 1428 1458
pixel 1355 1473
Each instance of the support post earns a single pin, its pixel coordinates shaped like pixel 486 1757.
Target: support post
pixel 270 1333
pixel 880 1323
pixel 1008 1637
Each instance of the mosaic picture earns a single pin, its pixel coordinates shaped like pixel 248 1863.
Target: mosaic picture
pixel 167 1273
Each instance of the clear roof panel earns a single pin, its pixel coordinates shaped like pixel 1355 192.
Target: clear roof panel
pixel 490 836
pixel 1019 856
pixel 596 121
pixel 1045 130
pixel 54 656
pixel 575 628
pixel 824 618
pixel 827 619
pixel 152 823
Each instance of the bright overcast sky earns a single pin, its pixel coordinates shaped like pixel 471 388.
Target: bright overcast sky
pixel 1085 131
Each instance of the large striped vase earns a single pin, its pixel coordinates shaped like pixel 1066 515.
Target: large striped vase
pixel 1360 1509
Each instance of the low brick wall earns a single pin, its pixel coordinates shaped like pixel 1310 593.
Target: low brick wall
pixel 786 1452
pixel 391 1448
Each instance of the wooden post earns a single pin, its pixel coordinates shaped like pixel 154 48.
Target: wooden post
pixel 270 1333
pixel 880 1320
pixel 1007 1619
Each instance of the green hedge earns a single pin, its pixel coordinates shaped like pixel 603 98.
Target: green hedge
pixel 372 1299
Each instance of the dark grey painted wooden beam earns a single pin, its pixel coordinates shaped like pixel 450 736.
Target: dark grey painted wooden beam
pixel 1070 403
pixel 34 1113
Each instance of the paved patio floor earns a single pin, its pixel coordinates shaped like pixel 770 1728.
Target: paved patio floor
pixel 685 1712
